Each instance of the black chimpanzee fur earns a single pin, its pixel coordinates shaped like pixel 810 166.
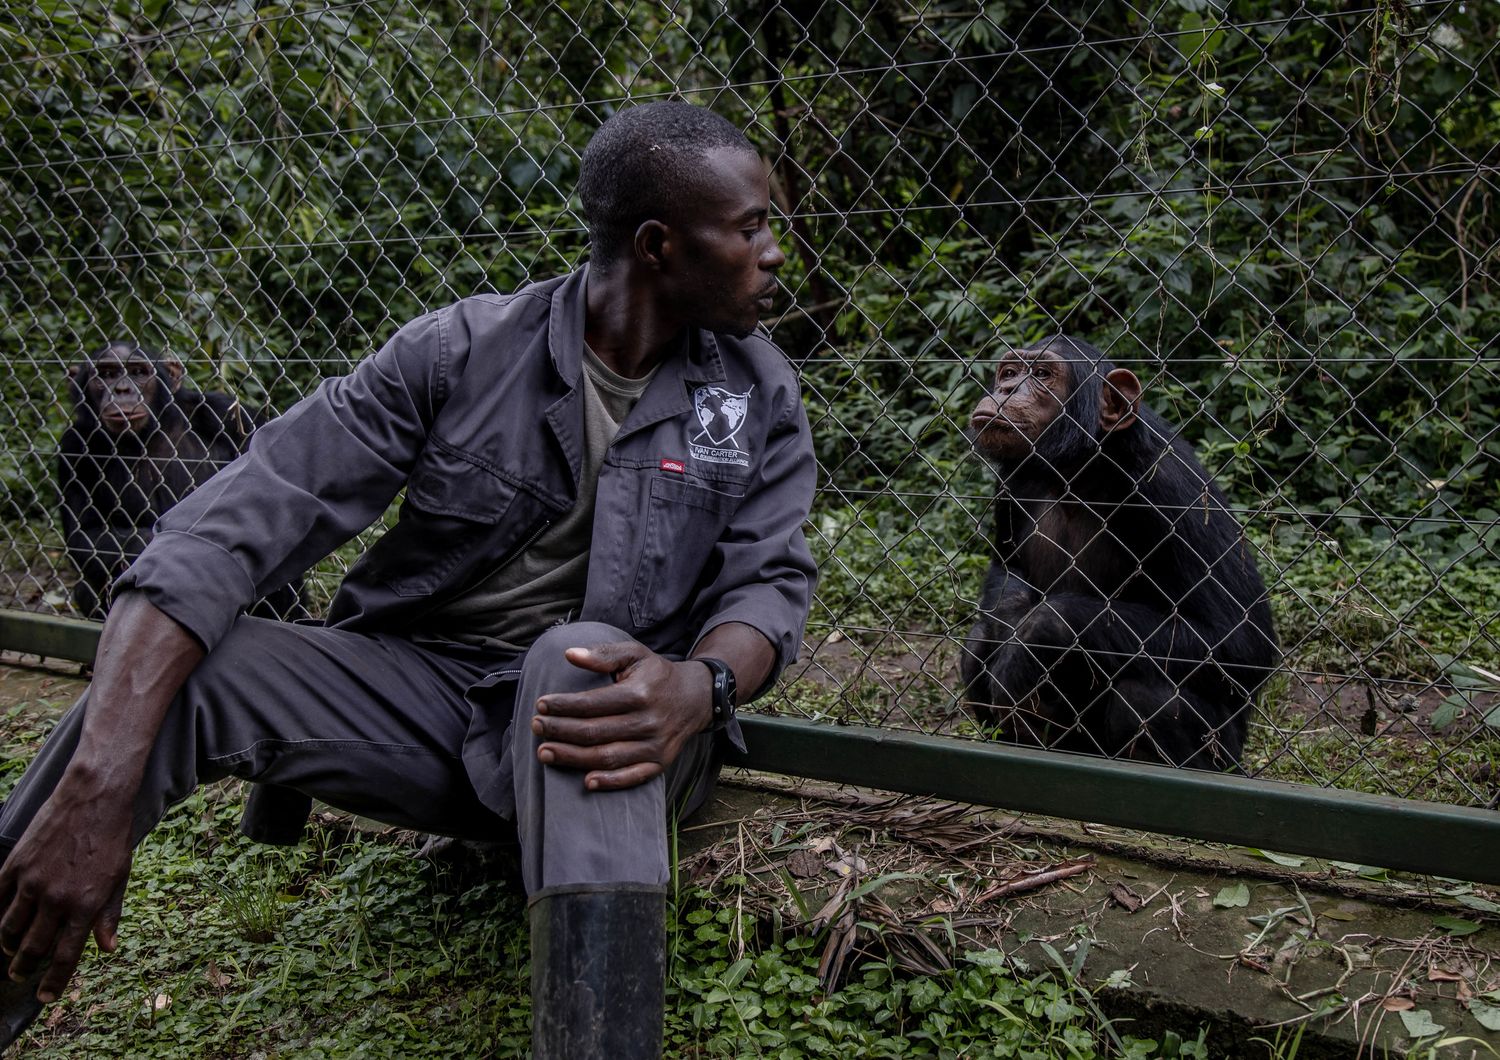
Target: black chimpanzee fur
pixel 140 441
pixel 1122 613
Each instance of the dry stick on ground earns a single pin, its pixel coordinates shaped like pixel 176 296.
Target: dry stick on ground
pixel 1039 879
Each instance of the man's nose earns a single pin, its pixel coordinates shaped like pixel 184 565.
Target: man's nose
pixel 774 258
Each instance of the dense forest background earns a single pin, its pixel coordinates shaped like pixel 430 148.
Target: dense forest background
pixel 1282 216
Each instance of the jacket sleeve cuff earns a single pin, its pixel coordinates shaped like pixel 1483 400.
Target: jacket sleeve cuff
pixel 193 582
pixel 735 735
pixel 784 642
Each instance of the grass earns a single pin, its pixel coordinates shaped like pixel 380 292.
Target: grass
pixel 346 946
pixel 351 945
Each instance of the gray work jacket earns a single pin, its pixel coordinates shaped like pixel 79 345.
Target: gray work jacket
pixel 475 410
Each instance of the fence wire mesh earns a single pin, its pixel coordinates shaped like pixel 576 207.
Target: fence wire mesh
pixel 1280 218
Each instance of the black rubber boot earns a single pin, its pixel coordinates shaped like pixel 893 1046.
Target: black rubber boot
pixel 598 972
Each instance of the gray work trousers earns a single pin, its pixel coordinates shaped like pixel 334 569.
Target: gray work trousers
pixel 433 738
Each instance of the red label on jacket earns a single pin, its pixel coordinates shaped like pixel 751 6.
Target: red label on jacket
pixel 673 465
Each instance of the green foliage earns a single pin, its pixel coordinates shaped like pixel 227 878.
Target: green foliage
pixel 349 945
pixel 725 1001
pixel 1279 218
pixel 355 947
pixel 338 948
pixel 269 193
pixel 1359 606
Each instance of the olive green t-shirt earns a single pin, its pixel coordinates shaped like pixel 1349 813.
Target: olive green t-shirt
pixel 545 583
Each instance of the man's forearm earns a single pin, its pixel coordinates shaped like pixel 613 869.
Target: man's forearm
pixel 746 650
pixel 143 659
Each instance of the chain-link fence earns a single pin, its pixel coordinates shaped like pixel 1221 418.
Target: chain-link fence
pixel 1280 219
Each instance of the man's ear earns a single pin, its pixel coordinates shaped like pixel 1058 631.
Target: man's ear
pixel 1119 397
pixel 652 244
pixel 173 367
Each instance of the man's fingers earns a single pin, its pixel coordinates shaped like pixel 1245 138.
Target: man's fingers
pixel 615 779
pixel 621 697
pixel 65 957
pixel 107 923
pixel 607 658
pixel 606 757
pixel 598 702
pixel 37 945
pixel 15 923
pixel 592 731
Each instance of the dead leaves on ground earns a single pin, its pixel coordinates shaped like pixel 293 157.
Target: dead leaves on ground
pixel 900 877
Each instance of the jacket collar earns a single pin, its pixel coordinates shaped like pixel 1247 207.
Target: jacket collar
pixel 671 391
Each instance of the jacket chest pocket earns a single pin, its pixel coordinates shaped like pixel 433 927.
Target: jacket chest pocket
pixel 448 525
pixel 683 523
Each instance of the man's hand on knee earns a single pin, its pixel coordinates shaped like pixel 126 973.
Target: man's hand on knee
pixel 65 878
pixel 624 733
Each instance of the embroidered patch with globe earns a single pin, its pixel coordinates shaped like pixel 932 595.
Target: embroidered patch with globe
pixel 720 414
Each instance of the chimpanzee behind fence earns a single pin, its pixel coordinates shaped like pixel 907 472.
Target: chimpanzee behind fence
pixel 1122 613
pixel 141 440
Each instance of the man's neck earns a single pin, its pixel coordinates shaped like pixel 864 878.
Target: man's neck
pixel 626 324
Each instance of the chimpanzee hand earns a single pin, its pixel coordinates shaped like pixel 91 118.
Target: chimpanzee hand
pixel 65 877
pixel 625 733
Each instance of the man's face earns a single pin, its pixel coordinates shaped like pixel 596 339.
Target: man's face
pixel 728 258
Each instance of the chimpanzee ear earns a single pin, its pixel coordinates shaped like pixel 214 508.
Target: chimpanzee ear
pixel 1119 397
pixel 73 371
pixel 173 367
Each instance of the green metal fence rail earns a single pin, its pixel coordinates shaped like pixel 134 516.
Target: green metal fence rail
pixel 1372 830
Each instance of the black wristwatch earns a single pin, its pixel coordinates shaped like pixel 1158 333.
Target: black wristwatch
pixel 724 692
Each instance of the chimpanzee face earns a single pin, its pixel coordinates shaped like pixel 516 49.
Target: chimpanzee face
pixel 124 390
pixel 727 255
pixel 1029 394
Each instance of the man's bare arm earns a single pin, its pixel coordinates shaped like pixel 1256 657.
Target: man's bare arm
pixel 66 875
pixel 626 733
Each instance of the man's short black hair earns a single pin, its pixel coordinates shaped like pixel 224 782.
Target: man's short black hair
pixel 642 165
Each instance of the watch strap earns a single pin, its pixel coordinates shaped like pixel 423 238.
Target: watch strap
pixel 724 698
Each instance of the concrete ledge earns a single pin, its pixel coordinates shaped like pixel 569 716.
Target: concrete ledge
pixel 1161 947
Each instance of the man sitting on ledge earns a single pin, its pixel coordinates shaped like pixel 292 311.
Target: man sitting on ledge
pixel 606 478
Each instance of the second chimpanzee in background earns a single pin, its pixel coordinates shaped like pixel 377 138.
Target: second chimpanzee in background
pixel 141 440
pixel 1122 613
